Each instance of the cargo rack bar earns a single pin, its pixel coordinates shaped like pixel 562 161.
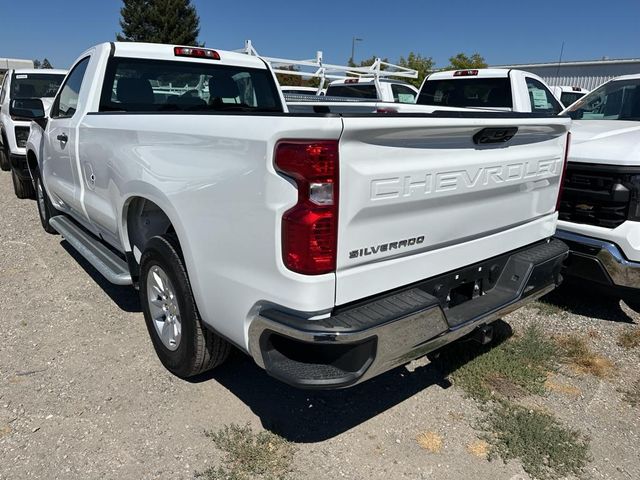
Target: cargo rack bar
pixel 328 71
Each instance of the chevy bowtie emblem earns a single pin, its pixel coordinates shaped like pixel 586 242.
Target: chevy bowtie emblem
pixel 584 207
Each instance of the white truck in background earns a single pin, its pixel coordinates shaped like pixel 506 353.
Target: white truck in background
pixel 373 89
pixel 330 248
pixel 600 207
pixel 496 89
pixel 17 86
pixel 569 95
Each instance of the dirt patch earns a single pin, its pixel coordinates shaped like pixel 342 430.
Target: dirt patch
pixel 629 338
pixel 552 384
pixel 582 358
pixel 632 395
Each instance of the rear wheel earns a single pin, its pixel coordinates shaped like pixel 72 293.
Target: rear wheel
pixel 46 210
pixel 22 187
pixel 4 157
pixel 182 342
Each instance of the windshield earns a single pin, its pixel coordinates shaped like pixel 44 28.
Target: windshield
pixel 467 92
pixel 616 100
pixel 35 85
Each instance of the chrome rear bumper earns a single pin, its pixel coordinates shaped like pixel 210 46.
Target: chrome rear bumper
pixel 361 341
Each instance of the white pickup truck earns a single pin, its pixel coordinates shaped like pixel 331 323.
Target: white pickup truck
pixel 330 248
pixel 600 208
pixel 497 89
pixel 17 86
pixel 568 95
pixel 373 89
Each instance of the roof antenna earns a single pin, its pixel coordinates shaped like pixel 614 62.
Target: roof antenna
pixel 559 62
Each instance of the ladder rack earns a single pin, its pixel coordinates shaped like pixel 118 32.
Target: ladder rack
pixel 325 71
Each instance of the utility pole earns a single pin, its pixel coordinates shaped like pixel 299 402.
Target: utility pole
pixel 353 48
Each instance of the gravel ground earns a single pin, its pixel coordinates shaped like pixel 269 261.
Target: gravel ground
pixel 82 395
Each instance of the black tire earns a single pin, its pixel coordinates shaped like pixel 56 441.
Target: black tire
pixel 4 156
pixel 23 188
pixel 46 210
pixel 199 349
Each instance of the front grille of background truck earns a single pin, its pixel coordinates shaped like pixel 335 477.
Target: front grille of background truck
pixel 600 195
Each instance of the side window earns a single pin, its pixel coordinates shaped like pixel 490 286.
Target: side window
pixel 403 94
pixel 542 100
pixel 66 102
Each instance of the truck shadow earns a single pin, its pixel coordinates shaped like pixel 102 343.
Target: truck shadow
pixel 124 296
pixel 309 416
pixel 586 300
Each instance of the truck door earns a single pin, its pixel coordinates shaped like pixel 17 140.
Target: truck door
pixel 60 171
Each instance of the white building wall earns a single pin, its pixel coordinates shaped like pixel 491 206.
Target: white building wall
pixel 587 75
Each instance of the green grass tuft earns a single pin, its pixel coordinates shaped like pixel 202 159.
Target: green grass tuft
pixel 250 455
pixel 516 367
pixel 546 448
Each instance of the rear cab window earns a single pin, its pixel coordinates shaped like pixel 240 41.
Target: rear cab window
pixel 541 98
pixel 35 85
pixel 567 98
pixel 467 92
pixel 354 90
pixel 142 85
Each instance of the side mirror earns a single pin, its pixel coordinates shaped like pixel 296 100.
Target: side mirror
pixel 28 109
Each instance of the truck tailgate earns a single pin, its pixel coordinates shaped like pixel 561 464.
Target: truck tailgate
pixel 419 196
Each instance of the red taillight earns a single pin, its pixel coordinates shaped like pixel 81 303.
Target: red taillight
pixel 196 53
pixel 310 228
pixel 351 80
pixel 465 73
pixel 386 110
pixel 564 170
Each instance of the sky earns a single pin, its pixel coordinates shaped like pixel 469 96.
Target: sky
pixel 504 32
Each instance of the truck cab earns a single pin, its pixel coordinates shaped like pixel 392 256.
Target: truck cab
pixel 19 85
pixel 381 89
pixel 498 89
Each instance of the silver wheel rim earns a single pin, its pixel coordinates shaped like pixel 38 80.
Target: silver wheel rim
pixel 163 307
pixel 40 194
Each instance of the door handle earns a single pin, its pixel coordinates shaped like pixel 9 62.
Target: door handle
pixel 63 137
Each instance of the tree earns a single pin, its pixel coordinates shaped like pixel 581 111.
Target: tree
pixel 423 65
pixel 287 79
pixel 42 64
pixel 366 62
pixel 159 21
pixel 461 61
